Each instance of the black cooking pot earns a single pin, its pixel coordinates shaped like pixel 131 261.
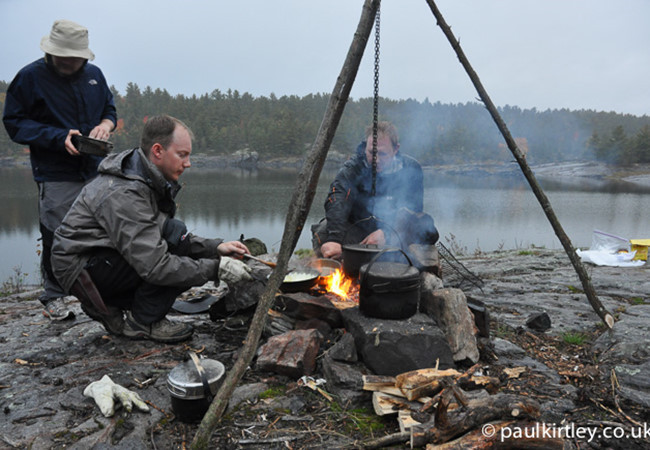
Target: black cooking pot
pixel 192 386
pixel 356 255
pixel 389 290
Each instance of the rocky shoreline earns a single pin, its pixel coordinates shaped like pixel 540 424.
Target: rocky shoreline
pixel 45 366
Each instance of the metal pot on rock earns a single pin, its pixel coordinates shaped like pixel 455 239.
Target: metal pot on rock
pixel 389 290
pixel 192 385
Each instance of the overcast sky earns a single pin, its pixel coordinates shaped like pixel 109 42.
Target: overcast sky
pixel 576 54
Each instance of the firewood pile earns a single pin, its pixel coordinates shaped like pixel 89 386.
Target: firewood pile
pixel 450 409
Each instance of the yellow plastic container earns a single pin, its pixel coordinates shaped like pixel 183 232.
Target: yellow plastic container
pixel 641 247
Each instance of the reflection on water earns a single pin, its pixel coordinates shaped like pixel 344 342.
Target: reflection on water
pixel 480 212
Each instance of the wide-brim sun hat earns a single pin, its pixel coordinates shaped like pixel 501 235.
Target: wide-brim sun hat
pixel 67 39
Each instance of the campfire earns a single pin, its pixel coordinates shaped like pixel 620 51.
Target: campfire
pixel 340 286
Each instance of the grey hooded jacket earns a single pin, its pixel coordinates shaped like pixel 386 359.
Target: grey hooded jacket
pixel 125 209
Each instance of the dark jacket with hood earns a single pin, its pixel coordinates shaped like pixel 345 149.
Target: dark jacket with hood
pixel 42 106
pixel 126 208
pixel 350 201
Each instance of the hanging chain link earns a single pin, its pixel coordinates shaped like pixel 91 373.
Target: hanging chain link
pixel 375 103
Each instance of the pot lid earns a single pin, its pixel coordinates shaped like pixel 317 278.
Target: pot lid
pixel 185 382
pixel 389 271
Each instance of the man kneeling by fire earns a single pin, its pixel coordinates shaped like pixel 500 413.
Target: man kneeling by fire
pixel 391 215
pixel 120 248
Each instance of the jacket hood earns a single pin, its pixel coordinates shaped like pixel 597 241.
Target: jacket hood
pixel 134 165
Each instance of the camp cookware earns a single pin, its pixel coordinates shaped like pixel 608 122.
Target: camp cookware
pixel 325 266
pixel 356 255
pixel 299 280
pixel 91 146
pixel 192 385
pixel 255 258
pixel 389 290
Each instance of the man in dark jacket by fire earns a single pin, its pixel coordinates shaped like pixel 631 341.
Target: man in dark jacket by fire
pixel 354 215
pixel 48 102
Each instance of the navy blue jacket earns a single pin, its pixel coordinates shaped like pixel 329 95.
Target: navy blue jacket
pixel 42 106
pixel 349 199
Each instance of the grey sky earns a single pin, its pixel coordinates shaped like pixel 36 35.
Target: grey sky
pixel 576 54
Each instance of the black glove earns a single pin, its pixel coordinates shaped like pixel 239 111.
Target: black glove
pixel 174 232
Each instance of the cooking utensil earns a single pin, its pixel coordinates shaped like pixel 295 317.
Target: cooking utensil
pixel 254 258
pixel 356 255
pixel 299 280
pixel 192 386
pixel 91 146
pixel 389 290
pixel 325 266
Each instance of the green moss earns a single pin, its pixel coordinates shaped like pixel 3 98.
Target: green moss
pixel 273 392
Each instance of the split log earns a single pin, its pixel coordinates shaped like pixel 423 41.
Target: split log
pixel 386 404
pixel 301 202
pixel 427 382
pixel 590 292
pixel 444 428
pixel 376 382
pixel 480 440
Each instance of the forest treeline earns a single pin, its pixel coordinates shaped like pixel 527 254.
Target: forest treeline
pixel 435 133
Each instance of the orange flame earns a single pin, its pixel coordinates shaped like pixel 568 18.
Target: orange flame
pixel 339 284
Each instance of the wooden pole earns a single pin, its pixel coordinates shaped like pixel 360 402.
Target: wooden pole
pixel 528 173
pixel 301 201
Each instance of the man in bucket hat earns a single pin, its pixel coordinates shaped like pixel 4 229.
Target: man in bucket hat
pixel 48 102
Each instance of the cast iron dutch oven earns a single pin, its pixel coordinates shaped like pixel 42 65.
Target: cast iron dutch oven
pixel 192 386
pixel 356 255
pixel 389 290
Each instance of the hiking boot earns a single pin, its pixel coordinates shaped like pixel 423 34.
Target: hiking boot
pixel 113 323
pixel 56 309
pixel 162 331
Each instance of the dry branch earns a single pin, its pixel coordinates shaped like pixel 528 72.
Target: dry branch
pixel 301 201
pixel 607 318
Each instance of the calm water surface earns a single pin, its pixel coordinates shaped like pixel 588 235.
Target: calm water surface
pixel 486 213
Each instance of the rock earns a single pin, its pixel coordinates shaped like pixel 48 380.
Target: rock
pixel 634 381
pixel 245 392
pixel 426 258
pixel 539 322
pixel 302 306
pixel 344 349
pixel 507 348
pixel 449 308
pixel 391 347
pixel 314 324
pixel 630 338
pixel 481 316
pixel 292 354
pixel 345 381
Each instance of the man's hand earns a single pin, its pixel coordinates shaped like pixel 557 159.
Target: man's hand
pixel 233 271
pixel 105 391
pixel 234 249
pixel 376 237
pixel 68 142
pixel 331 250
pixel 102 131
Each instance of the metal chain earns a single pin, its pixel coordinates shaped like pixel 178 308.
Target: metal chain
pixel 375 103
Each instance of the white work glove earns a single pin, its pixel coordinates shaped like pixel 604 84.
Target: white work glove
pixel 233 271
pixel 105 390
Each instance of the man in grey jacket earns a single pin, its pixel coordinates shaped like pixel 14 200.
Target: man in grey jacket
pixel 121 232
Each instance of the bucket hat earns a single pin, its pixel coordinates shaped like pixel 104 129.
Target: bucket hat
pixel 67 39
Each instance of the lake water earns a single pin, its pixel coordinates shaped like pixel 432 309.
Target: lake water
pixel 485 213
